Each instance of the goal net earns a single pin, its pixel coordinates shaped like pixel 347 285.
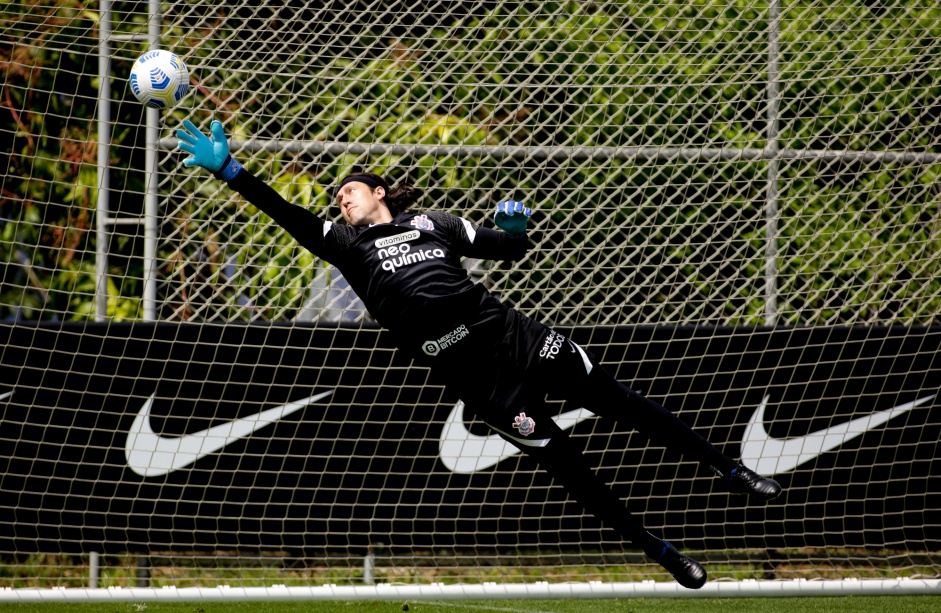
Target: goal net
pixel 736 207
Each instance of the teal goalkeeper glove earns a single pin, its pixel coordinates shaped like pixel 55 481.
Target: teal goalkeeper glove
pixel 512 217
pixel 209 153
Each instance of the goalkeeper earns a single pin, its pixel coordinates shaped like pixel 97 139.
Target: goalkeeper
pixel 406 268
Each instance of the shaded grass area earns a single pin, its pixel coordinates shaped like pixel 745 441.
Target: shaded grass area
pixel 210 569
pixel 855 604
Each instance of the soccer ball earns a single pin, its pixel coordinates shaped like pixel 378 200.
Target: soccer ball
pixel 159 79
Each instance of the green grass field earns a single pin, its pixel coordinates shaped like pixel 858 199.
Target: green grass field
pixel 861 604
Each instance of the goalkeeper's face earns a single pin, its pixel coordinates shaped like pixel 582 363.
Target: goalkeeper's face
pixel 362 205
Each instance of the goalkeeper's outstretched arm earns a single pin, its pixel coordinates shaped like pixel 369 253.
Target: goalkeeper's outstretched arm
pixel 212 153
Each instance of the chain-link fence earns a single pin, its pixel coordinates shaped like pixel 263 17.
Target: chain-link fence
pixel 690 163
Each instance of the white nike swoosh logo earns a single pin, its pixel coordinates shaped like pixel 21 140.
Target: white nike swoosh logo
pixel 5 396
pixel 465 453
pixel 773 456
pixel 151 455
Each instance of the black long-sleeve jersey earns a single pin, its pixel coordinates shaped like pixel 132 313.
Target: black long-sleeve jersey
pixel 408 272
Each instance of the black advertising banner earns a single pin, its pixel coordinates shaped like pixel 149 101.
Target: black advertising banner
pixel 179 436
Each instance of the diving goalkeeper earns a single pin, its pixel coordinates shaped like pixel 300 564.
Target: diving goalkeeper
pixel 406 268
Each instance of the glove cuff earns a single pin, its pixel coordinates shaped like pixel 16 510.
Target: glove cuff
pixel 230 169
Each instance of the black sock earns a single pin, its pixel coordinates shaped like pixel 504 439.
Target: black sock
pixel 652 546
pixel 568 467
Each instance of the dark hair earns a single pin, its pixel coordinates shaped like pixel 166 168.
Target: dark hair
pixel 398 198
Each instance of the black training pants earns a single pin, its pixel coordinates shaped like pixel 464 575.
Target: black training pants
pixel 530 362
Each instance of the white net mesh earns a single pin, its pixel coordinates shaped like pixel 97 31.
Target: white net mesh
pixel 674 147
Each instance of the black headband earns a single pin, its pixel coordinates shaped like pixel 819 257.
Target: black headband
pixel 368 180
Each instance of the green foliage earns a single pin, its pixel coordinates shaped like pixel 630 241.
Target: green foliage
pixel 49 182
pixel 857 240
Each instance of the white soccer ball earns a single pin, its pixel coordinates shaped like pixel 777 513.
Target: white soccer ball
pixel 159 79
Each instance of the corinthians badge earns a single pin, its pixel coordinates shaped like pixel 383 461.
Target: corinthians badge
pixel 524 424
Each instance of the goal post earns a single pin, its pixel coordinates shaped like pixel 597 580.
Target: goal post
pixel 736 207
